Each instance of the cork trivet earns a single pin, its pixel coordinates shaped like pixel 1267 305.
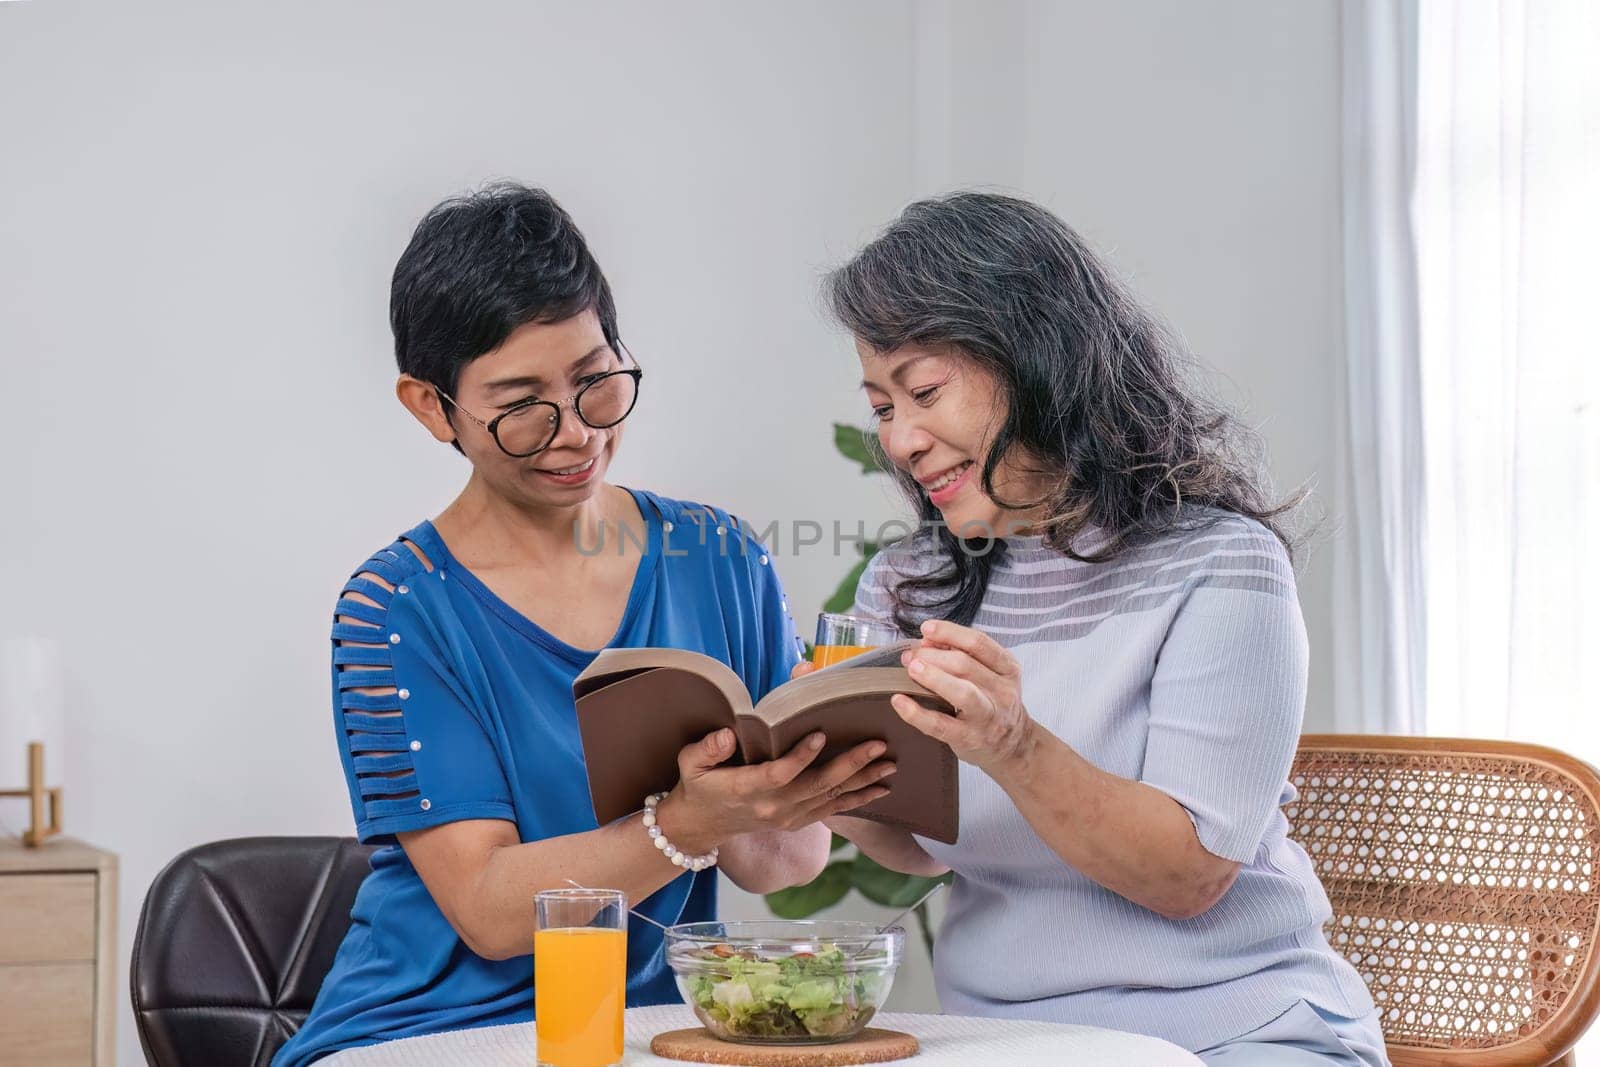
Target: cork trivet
pixel 869 1046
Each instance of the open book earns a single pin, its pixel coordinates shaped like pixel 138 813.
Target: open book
pixel 637 707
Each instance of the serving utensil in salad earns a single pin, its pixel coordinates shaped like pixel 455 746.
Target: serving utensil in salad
pixel 631 911
pixel 890 924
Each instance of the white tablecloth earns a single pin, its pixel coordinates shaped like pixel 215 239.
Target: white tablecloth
pixel 947 1041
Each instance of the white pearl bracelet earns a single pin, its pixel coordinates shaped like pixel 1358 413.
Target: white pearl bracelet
pixel 687 862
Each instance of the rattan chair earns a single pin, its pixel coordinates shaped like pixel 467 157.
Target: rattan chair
pixel 1462 876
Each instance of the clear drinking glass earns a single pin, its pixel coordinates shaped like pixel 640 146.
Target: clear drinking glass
pixel 580 976
pixel 841 636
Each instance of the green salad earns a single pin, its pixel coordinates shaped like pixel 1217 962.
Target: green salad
pixel 822 994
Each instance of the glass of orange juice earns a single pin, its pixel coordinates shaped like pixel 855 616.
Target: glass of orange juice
pixel 841 636
pixel 580 976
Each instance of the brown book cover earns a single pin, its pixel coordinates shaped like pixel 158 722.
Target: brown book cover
pixel 637 707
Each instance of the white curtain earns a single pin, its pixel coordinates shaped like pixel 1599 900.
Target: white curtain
pixel 1469 549
pixel 1378 631
pixel 1506 216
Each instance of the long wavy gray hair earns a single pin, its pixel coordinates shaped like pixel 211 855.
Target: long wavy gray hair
pixel 1094 387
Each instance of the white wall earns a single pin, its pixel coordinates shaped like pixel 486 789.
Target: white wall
pixel 200 206
pixel 1198 145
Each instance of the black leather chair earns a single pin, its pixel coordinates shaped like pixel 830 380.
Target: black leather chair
pixel 233 942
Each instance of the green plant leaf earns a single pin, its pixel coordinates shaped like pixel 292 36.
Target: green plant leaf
pixel 890 888
pixel 851 442
pixel 844 597
pixel 826 890
pixel 838 843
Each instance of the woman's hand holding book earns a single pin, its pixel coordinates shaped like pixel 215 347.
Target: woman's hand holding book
pixel 712 803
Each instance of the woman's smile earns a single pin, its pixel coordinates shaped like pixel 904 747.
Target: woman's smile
pixel 577 474
pixel 946 485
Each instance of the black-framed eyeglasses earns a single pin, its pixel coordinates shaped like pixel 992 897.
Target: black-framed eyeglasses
pixel 527 428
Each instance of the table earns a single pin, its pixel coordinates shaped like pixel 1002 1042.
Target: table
pixel 947 1041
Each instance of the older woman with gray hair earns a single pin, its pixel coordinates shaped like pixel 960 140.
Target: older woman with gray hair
pixel 1103 591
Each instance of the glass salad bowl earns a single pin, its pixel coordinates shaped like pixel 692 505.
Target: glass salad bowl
pixel 780 981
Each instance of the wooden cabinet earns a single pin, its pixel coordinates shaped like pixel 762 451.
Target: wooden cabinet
pixel 58 954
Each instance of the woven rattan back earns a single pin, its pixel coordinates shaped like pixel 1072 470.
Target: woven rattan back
pixel 1462 877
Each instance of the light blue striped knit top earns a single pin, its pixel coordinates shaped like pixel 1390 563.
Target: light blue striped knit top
pixel 1182 665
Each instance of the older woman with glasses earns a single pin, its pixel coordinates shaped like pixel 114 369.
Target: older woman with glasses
pixel 456 645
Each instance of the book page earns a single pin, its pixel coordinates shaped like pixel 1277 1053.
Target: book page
pixel 613 663
pixel 886 656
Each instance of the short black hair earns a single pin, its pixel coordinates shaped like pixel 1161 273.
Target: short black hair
pixel 481 265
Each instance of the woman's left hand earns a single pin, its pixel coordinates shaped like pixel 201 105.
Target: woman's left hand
pixel 983 682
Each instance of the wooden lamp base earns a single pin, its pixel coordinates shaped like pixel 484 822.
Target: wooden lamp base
pixel 40 799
